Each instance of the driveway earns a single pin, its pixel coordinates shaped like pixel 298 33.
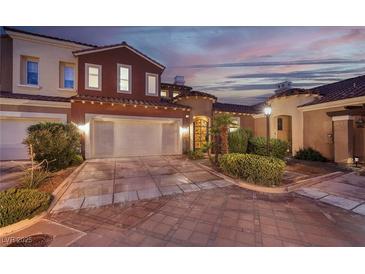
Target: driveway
pixel 119 180
pixel 11 173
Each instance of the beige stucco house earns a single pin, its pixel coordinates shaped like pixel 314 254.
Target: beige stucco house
pixel 115 95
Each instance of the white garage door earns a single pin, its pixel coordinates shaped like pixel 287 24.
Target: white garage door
pixel 135 137
pixel 12 133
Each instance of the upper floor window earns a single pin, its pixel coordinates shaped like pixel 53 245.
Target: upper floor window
pixel 30 71
pixel 164 93
pixel 175 93
pixel 93 77
pixel 67 75
pixel 124 78
pixel 151 84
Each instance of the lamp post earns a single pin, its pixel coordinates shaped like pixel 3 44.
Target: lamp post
pixel 267 111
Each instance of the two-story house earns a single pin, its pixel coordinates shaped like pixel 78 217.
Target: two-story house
pixel 115 96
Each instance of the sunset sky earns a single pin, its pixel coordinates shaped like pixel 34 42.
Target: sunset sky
pixel 238 64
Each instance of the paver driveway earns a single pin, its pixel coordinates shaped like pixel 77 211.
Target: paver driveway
pixel 118 180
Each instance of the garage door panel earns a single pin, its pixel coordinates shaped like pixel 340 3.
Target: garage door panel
pixel 137 138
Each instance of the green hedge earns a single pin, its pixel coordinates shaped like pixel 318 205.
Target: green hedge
pixel 58 143
pixel 309 154
pixel 261 170
pixel 278 148
pixel 238 140
pixel 20 204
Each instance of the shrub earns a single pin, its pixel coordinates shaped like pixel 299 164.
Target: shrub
pixel 36 178
pixel 261 170
pixel 20 204
pixel 309 154
pixel 77 160
pixel 278 148
pixel 238 140
pixel 195 154
pixel 55 142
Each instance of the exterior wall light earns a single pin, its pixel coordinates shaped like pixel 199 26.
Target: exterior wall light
pixel 84 128
pixel 267 112
pixel 184 130
pixel 356 160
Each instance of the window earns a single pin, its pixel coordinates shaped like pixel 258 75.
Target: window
pixel 164 93
pixel 280 123
pixel 67 75
pixel 29 71
pixel 175 93
pixel 124 78
pixel 235 124
pixel 151 84
pixel 93 77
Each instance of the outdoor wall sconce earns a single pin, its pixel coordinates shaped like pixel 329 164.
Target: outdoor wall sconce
pixel 360 123
pixel 84 128
pixel 184 130
pixel 267 112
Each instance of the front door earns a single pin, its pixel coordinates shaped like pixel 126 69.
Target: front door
pixel 200 132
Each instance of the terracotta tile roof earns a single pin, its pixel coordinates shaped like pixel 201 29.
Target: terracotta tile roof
pixel 234 108
pixel 349 88
pixel 122 44
pixel 5 94
pixel 292 91
pixel 46 36
pixel 193 93
pixel 176 87
pixel 160 103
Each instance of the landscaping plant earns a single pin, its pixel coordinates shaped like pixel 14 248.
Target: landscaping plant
pixel 261 170
pixel 238 140
pixel 278 148
pixel 20 204
pixel 309 154
pixel 219 134
pixel 195 154
pixel 57 143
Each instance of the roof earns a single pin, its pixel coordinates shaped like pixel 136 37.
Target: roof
pixel 193 93
pixel 346 89
pixel 114 46
pixel 46 36
pixel 10 95
pixel 234 108
pixel 160 103
pixel 292 91
pixel 176 87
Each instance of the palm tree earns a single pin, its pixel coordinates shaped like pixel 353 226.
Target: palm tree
pixel 219 131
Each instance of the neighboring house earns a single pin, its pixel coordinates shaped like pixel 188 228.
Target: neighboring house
pixel 115 95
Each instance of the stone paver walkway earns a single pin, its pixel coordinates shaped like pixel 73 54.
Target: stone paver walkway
pixel 228 216
pixel 346 191
pixel 112 181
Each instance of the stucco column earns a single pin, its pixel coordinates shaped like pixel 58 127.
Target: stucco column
pixel 343 130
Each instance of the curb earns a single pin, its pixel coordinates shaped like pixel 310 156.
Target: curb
pixel 278 190
pixel 4 231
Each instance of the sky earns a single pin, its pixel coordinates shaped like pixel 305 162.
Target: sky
pixel 238 64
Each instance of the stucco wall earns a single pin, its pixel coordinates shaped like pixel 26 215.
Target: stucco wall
pixel 288 106
pixel 247 121
pixel 317 130
pixel 359 136
pixel 260 127
pixel 50 55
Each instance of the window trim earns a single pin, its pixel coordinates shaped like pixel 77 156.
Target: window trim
pixel 61 75
pixel 157 82
pixel 129 79
pixel 87 65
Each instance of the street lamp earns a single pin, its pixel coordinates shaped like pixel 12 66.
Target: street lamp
pixel 267 111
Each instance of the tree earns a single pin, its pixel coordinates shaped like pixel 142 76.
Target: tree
pixel 219 132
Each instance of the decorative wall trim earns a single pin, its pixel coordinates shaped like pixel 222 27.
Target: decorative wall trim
pixel 34 103
pixel 25 114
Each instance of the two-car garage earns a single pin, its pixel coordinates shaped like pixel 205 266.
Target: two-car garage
pixel 116 136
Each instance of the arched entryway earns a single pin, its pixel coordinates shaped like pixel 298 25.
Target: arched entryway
pixel 200 131
pixel 284 129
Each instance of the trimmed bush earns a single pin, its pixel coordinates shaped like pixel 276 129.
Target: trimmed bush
pixel 238 140
pixel 195 154
pixel 55 142
pixel 20 204
pixel 261 170
pixel 309 154
pixel 278 148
